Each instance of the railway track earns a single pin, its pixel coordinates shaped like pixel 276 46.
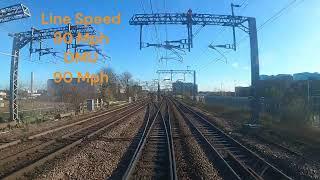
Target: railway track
pixel 233 159
pixel 154 155
pixel 48 137
pixel 81 120
pixel 25 161
pixel 281 147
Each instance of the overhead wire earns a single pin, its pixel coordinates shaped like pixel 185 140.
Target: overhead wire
pixel 279 13
pixel 155 28
pixel 152 38
pixel 274 17
pixel 243 2
pixel 223 29
pixel 166 28
pixel 7 54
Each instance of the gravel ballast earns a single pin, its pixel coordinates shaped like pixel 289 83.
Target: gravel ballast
pixel 97 158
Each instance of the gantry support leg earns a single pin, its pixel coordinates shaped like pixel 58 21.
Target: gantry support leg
pixel 140 37
pixel 14 82
pixel 194 86
pixel 190 43
pixel 255 75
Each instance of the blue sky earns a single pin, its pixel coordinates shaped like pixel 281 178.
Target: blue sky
pixel 287 45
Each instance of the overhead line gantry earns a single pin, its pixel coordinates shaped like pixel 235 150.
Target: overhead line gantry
pixel 14 12
pixel 11 13
pixel 190 19
pixel 20 40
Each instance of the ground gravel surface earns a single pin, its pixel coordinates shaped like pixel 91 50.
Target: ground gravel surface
pixel 95 159
pixel 293 165
pixel 192 162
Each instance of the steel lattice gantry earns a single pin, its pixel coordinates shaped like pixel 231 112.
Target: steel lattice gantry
pixel 14 12
pixel 189 19
pixel 247 24
pixel 20 40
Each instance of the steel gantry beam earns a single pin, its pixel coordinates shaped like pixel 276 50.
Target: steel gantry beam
pixel 20 40
pixel 247 24
pixel 189 19
pixel 14 12
pixel 185 18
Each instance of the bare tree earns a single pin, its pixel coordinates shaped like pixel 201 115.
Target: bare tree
pixel 109 90
pixel 75 95
pixel 125 79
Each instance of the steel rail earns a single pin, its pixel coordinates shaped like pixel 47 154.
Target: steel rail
pixel 45 142
pixel 148 138
pixel 243 161
pixel 137 154
pixel 170 140
pixel 51 141
pixel 15 142
pixel 135 158
pixel 225 169
pixel 65 143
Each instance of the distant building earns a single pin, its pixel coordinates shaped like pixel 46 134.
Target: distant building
pixel 306 76
pixel 136 89
pixel 122 90
pixel 200 98
pixel 42 91
pixel 3 94
pixel 58 89
pixel 221 93
pixel 264 77
pixel 203 93
pixel 287 77
pixel 242 91
pixel 181 88
pixel 295 77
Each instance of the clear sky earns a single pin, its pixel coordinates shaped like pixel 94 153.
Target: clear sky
pixel 290 44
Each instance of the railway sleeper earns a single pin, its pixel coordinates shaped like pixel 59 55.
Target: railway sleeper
pixel 255 165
